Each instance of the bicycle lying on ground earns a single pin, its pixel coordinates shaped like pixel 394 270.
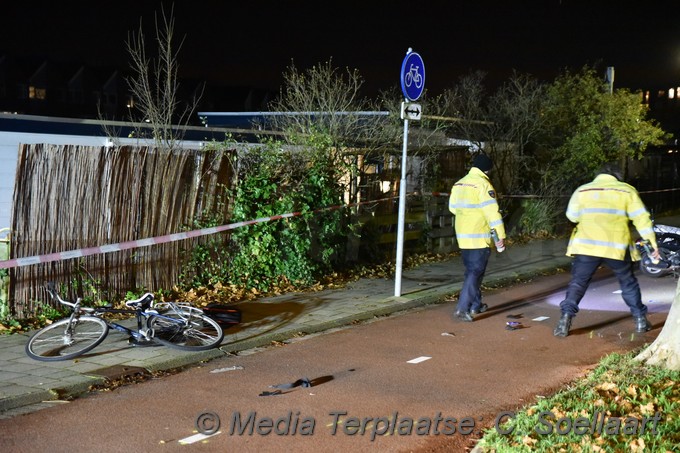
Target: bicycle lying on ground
pixel 174 324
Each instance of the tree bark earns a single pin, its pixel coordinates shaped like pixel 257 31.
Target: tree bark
pixel 665 351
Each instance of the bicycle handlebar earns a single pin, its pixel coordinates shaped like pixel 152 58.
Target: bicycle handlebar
pixel 52 290
pixel 144 302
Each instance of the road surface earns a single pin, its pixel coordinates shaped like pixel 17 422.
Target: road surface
pixel 416 381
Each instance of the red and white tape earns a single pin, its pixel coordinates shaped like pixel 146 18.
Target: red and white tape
pixel 37 259
pixel 18 262
pixel 78 253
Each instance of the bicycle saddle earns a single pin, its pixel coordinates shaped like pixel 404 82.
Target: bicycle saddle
pixel 143 302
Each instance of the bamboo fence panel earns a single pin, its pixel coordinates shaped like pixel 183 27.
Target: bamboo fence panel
pixel 69 197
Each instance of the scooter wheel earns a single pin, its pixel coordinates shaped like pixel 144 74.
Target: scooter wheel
pixel 652 272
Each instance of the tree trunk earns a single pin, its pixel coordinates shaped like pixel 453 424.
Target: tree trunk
pixel 665 351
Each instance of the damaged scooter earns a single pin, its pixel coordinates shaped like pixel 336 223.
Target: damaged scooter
pixel 668 241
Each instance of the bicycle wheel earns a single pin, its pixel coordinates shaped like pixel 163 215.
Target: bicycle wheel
pixel 66 339
pixel 185 328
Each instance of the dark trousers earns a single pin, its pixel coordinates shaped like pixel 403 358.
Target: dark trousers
pixel 582 270
pixel 475 261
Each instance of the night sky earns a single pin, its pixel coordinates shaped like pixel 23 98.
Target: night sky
pixel 250 42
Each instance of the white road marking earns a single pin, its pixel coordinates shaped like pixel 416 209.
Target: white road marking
pixel 419 359
pixel 196 438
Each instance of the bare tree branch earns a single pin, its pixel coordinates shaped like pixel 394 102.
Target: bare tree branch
pixel 155 84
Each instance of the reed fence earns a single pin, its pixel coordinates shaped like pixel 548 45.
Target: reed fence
pixel 69 197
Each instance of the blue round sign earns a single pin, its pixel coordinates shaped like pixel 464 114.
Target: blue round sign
pixel 412 76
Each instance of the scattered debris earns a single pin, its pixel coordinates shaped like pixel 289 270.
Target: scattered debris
pixel 229 368
pixel 302 382
pixel 448 334
pixel 541 318
pixel 275 392
pixel 513 325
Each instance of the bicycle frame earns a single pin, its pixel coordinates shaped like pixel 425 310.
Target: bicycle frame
pixel 140 313
pixel 142 333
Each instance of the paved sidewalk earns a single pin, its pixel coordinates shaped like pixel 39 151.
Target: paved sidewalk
pixel 27 385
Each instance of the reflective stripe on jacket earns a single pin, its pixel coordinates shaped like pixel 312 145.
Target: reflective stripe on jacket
pixel 473 202
pixel 602 209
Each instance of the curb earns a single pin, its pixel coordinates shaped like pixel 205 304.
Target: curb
pixel 59 393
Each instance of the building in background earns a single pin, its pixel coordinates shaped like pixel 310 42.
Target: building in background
pixel 59 89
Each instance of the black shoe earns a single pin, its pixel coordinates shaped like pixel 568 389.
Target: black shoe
pixel 463 316
pixel 642 324
pixel 563 326
pixel 482 308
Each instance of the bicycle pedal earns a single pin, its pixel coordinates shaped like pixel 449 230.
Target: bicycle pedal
pixel 140 343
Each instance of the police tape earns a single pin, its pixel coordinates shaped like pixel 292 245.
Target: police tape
pixel 128 245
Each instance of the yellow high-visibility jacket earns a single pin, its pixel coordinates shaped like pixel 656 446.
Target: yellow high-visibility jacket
pixel 473 202
pixel 602 210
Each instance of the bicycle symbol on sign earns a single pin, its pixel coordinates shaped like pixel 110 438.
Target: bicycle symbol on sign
pixel 413 77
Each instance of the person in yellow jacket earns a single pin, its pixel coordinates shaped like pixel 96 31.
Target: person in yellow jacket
pixel 473 203
pixel 602 211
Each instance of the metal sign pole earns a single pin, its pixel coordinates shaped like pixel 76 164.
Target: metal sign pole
pixel 412 85
pixel 402 215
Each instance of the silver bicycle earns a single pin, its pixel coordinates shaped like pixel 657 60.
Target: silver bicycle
pixel 174 324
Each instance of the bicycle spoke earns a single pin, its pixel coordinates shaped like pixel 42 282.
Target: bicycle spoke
pixel 186 328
